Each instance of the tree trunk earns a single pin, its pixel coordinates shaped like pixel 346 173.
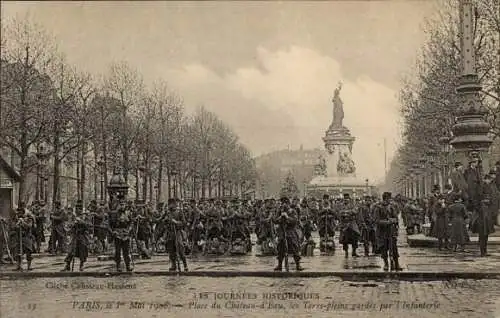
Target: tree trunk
pixel 160 178
pixel 83 174
pixel 97 173
pixel 56 193
pixel 23 176
pixel 137 184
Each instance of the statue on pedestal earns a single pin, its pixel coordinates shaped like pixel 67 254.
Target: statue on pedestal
pixel 338 108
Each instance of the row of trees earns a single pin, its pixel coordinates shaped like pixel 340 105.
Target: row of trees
pixel 54 116
pixel 428 98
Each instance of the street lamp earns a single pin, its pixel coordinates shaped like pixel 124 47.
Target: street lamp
pixel 471 131
pixel 100 164
pixel 444 141
pixel 367 187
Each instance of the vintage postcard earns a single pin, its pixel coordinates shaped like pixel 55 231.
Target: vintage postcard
pixel 250 159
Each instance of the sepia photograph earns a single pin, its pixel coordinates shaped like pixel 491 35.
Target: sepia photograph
pixel 336 158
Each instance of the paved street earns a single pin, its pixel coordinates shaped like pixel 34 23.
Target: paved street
pixel 412 259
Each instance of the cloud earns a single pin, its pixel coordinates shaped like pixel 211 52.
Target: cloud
pixel 286 100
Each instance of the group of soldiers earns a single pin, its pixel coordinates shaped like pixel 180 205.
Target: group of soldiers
pixel 470 202
pixel 182 227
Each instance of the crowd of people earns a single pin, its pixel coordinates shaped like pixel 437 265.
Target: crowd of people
pixel 282 226
pixel 470 202
pixel 219 227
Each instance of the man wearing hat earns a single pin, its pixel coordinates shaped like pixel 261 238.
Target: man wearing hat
pixel 288 240
pixel 473 178
pixel 40 217
pixel 349 230
pixel 57 241
pixel 482 222
pixel 386 219
pixel 195 225
pixel 80 240
pixel 21 234
pixel 120 222
pixel 175 223
pixel 326 223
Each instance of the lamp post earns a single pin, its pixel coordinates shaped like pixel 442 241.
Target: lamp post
pixel 100 164
pixel 430 157
pixel 471 131
pixel 471 137
pixel 367 187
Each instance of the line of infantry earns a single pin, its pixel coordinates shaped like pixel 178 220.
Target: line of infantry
pixel 210 227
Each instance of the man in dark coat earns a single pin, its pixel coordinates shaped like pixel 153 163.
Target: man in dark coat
pixel 497 174
pixel 473 177
pixel 40 217
pixel 349 229
pixel 22 235
pixel 481 222
pixel 367 226
pixel 80 241
pixel 288 240
pixel 175 223
pixel 120 222
pixel 386 220
pixel 58 218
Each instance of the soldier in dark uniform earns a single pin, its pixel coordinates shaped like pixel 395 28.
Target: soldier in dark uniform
pixel 367 226
pixel 21 234
pixel 195 226
pixel 237 219
pixel 214 220
pixel 326 221
pixel 121 230
pixel 481 222
pixel 143 231
pixel 288 240
pixel 57 242
pixel 349 230
pixel 80 241
pixel 100 225
pixel 175 223
pixel 40 218
pixel 386 220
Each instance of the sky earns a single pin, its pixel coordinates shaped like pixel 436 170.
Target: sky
pixel 268 69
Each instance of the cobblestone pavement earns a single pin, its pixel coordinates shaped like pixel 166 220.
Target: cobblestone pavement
pixel 264 297
pixel 412 259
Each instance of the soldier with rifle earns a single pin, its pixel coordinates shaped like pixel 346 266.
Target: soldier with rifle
pixel 121 228
pixel 80 241
pixel 386 221
pixel 21 234
pixel 288 240
pixel 175 222
pixel 39 229
pixel 58 218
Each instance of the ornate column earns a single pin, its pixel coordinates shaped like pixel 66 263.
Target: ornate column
pixel 471 131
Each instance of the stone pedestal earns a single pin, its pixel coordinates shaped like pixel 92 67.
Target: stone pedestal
pixel 338 142
pixel 339 175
